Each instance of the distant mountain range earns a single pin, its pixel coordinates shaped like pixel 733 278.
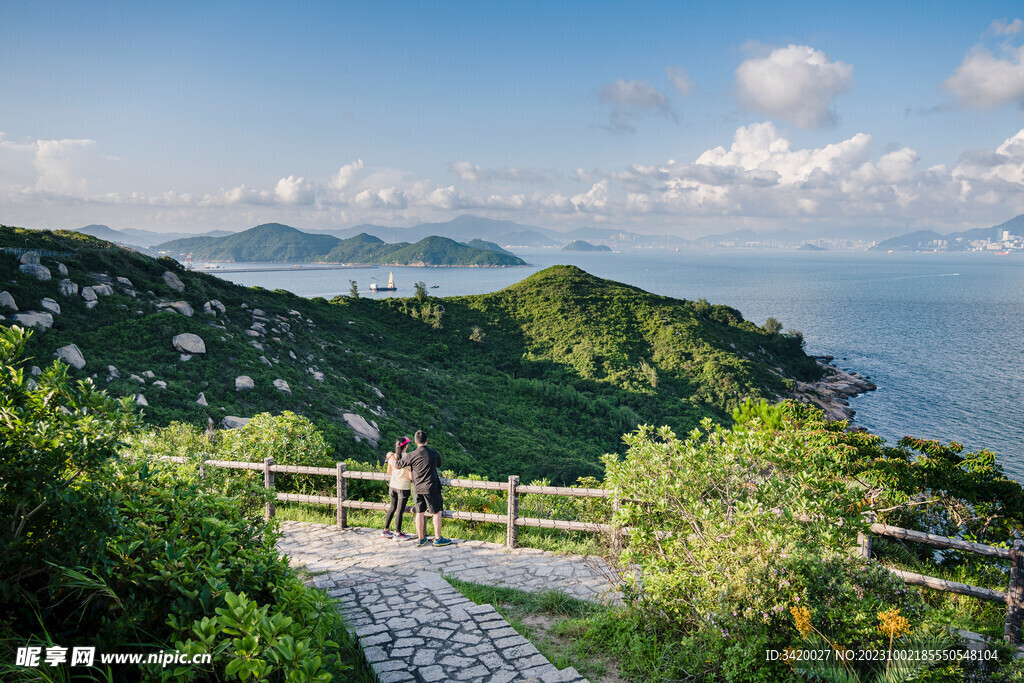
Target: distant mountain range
pixel 133 237
pixel 500 235
pixel 277 242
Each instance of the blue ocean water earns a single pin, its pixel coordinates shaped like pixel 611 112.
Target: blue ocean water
pixel 942 335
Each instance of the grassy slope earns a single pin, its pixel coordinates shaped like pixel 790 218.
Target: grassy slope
pixel 558 376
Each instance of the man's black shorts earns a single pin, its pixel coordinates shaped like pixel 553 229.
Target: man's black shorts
pixel 429 502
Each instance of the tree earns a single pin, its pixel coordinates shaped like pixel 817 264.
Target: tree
pixel 56 440
pixel 421 291
pixel 772 326
pixel 353 289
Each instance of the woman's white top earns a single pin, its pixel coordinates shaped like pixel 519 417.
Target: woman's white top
pixel 400 478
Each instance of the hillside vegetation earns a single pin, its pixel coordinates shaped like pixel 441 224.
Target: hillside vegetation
pixel 276 242
pixel 537 380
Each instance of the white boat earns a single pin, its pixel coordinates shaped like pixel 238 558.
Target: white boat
pixel 374 287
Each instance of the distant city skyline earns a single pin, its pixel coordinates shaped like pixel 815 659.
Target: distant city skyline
pixel 657 118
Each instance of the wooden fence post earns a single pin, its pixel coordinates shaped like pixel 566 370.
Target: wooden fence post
pixel 512 534
pixel 268 483
pixel 342 497
pixel 1015 595
pixel 865 544
pixel 616 531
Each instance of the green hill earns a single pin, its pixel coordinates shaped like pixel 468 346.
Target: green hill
pixel 539 379
pixel 580 245
pixel 276 242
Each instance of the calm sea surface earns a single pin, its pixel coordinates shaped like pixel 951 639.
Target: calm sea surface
pixel 942 335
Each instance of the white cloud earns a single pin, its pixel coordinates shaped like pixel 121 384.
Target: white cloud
pixel 346 175
pixel 796 83
pixel 680 79
pixel 595 199
pixel 471 173
pixel 1004 27
pixel 292 190
pixel 984 81
pixel 630 100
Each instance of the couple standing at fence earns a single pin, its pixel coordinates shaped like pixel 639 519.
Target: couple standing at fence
pixel 416 469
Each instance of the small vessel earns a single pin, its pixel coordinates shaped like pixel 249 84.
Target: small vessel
pixel 434 286
pixel 374 287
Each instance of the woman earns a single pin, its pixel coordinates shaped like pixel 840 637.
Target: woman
pixel 398 490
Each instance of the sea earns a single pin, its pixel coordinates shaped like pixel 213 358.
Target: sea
pixel 941 335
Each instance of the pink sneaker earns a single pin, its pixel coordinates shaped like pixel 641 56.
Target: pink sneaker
pixel 386 534
pixel 402 537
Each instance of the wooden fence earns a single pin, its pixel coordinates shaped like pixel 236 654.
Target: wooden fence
pixel 1013 598
pixel 511 519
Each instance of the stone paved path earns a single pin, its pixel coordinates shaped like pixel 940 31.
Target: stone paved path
pixel 413 626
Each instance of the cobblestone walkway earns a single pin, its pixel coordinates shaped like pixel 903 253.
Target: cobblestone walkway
pixel 413 626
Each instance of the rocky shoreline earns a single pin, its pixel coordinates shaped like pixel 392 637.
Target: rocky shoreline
pixel 832 392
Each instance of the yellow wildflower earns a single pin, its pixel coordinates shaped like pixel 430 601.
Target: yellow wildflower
pixel 802 618
pixel 892 623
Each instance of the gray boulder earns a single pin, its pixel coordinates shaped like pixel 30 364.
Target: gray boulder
pixel 318 376
pixel 29 258
pixel 89 293
pixel 189 343
pixel 62 269
pixel 67 288
pixel 172 281
pixel 7 301
pixel 259 312
pixel 201 399
pixel 182 307
pixel 141 400
pixel 184 357
pixel 103 290
pixel 126 282
pixel 264 360
pixel 244 383
pixel 362 429
pixel 137 379
pixel 43 321
pixel 232 422
pixel 160 383
pixel 42 273
pixel 91 304
pixel 71 355
pixel 113 372
pixel 149 374
pixel 50 305
pixel 282 386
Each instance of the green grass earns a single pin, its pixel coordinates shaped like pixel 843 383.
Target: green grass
pixel 565 542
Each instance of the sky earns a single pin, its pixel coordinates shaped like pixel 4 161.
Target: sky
pixel 678 118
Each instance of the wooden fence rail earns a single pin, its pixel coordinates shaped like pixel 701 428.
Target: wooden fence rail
pixel 1013 598
pixel 340 500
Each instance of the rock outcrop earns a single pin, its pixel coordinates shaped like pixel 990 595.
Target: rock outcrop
pixel 67 288
pixel 50 305
pixel 832 391
pixel 42 273
pixel 43 321
pixel 71 355
pixel 7 301
pixel 62 269
pixel 244 383
pixel 103 290
pixel 362 429
pixel 189 343
pixel 232 422
pixel 182 307
pixel 172 281
pixel 141 400
pixel 201 399
pixel 282 386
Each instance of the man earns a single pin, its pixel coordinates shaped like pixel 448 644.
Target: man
pixel 423 463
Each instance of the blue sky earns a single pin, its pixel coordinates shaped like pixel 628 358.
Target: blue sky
pixel 655 117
